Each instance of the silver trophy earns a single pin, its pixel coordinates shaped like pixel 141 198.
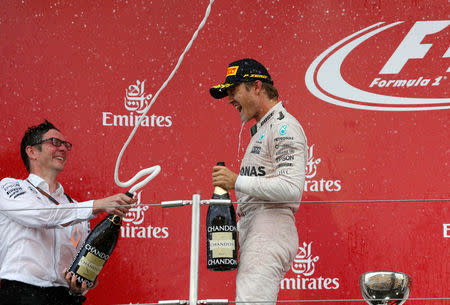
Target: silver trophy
pixel 384 287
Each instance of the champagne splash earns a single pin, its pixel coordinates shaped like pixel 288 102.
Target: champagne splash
pixel 239 146
pixel 153 171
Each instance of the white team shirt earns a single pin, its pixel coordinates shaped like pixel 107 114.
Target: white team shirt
pixel 35 247
pixel 273 167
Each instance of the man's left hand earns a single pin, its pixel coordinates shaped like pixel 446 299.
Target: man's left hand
pixel 71 279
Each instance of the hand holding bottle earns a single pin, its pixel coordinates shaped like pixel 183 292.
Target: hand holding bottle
pixel 75 287
pixel 224 177
pixel 115 204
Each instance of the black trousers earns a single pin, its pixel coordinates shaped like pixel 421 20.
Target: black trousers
pixel 18 293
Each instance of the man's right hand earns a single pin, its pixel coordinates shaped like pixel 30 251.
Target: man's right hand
pixel 224 177
pixel 113 205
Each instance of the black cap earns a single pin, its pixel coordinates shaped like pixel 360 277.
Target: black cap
pixel 243 70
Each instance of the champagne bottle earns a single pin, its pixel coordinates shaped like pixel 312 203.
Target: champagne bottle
pixel 97 249
pixel 221 234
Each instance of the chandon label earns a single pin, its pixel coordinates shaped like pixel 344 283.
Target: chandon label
pixel 222 261
pixel 90 266
pixel 222 245
pixel 96 252
pixel 215 244
pixel 225 228
pixel 84 262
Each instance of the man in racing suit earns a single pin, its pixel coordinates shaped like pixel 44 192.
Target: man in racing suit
pixel 270 182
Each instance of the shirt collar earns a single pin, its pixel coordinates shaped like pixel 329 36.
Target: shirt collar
pixel 39 182
pixel 266 118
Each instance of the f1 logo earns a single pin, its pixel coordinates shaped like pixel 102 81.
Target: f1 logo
pixel 411 46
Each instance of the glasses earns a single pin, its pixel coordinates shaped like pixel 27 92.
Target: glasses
pixel 56 142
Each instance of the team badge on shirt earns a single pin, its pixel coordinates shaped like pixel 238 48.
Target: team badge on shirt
pixel 262 136
pixel 13 190
pixel 256 150
pixel 75 236
pixel 283 130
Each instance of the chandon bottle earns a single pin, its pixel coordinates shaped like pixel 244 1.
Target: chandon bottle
pixel 221 234
pixel 96 249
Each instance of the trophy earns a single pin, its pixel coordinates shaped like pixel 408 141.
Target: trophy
pixel 384 287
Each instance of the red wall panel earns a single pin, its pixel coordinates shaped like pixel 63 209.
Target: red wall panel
pixel 72 63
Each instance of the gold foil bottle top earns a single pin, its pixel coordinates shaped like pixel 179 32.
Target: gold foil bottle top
pixel 218 190
pixel 117 220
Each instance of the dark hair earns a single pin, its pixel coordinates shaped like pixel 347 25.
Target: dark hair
pixel 270 90
pixel 32 136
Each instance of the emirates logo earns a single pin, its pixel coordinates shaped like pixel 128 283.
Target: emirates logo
pixel 136 214
pixel 304 262
pixel 319 184
pixel 304 267
pixel 135 97
pixel 311 165
pixel 136 102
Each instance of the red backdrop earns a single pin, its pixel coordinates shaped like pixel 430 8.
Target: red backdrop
pixel 86 66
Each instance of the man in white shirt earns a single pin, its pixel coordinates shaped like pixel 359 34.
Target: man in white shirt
pixel 270 183
pixel 40 239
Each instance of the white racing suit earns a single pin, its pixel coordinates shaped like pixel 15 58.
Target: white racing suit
pixel 272 170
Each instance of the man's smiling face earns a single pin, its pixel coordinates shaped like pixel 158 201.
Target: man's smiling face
pixel 51 157
pixel 244 100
